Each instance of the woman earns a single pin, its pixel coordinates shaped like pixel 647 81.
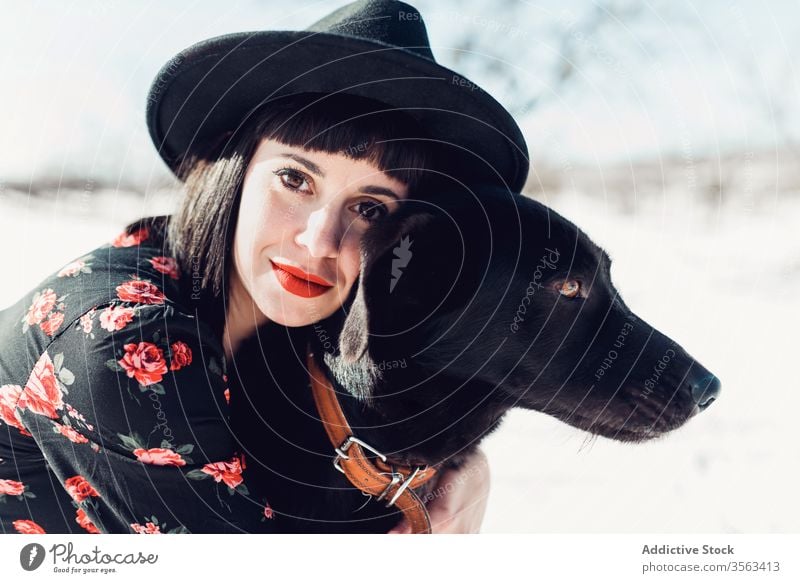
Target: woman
pixel 117 411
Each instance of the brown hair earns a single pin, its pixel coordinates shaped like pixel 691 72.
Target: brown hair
pixel 200 232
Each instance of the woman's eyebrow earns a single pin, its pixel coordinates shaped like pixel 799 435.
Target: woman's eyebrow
pixel 379 190
pixel 306 162
pixel 318 171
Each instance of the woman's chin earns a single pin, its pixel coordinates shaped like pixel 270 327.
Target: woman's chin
pixel 296 312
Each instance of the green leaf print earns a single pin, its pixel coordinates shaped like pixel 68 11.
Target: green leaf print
pixel 132 441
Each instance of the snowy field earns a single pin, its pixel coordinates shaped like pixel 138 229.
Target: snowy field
pixel 720 279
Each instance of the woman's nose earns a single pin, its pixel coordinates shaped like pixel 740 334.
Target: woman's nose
pixel 321 233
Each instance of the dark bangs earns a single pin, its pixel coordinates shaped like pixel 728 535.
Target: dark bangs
pixel 359 128
pixel 200 232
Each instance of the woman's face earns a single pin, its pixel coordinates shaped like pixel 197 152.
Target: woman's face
pixel 303 213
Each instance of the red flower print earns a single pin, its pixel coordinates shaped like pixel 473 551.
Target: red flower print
pixel 72 412
pixel 181 355
pixel 69 433
pixel 115 318
pixel 54 320
pixel 11 488
pixel 43 302
pixel 9 396
pixel 268 513
pixel 79 488
pixel 144 362
pixel 86 321
pixel 229 472
pixel 159 457
pixel 42 395
pixel 27 527
pixel 71 269
pixel 84 522
pixel 166 265
pixel 149 528
pixel 140 291
pixel 135 238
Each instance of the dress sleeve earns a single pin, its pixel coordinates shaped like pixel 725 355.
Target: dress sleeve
pixel 129 407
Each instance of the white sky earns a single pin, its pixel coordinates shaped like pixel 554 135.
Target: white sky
pixel 680 77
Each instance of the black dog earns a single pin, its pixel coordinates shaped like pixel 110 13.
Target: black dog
pixel 466 307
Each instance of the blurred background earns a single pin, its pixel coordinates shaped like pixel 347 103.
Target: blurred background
pixel 668 130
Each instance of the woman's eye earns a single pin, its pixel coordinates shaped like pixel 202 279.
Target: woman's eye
pixel 371 211
pixel 569 288
pixel 292 179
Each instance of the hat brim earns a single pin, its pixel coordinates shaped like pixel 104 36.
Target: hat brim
pixel 210 87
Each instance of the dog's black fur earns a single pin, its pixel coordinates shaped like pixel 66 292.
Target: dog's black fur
pixel 449 329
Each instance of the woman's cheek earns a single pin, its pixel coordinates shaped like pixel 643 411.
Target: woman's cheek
pixel 282 211
pixel 253 211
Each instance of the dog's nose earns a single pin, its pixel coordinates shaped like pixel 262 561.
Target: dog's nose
pixel 705 390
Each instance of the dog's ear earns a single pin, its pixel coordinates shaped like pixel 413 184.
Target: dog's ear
pixel 353 340
pixel 385 249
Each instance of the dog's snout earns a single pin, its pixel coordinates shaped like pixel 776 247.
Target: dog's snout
pixel 705 390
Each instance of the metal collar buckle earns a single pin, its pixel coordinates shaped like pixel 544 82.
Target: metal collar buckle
pixel 340 451
pixel 397 477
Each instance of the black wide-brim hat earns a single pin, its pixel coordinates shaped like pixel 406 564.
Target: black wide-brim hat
pixel 374 49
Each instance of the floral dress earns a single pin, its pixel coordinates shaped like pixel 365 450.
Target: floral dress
pixel 114 404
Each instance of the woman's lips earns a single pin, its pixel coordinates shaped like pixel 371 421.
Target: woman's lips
pixel 299 273
pixel 299 286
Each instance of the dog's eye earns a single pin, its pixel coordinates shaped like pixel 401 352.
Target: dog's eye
pixel 570 288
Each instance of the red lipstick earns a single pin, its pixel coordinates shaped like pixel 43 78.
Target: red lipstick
pixel 299 282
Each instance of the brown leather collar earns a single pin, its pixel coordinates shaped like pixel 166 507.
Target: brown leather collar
pixel 380 478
